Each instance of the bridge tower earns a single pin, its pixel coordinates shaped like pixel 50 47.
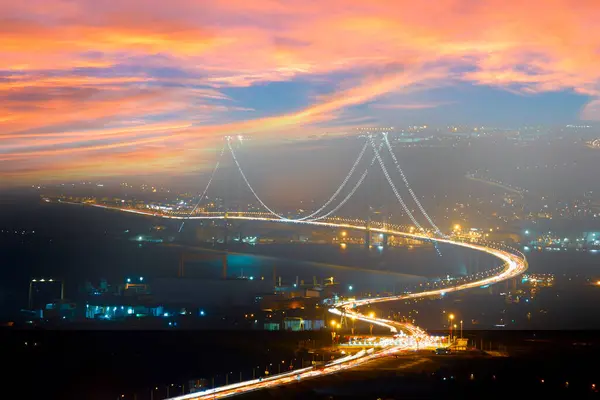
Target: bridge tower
pixel 368 233
pixel 226 231
pixel 384 240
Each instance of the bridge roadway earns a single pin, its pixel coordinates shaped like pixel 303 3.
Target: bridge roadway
pixel 514 264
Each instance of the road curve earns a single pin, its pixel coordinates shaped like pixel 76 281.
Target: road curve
pixel 514 264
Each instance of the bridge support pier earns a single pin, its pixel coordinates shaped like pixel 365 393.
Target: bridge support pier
pixel 367 239
pixel 226 232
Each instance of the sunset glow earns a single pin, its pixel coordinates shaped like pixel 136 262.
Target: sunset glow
pixel 99 87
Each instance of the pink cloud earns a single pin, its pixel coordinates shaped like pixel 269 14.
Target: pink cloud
pixel 90 64
pixel 411 106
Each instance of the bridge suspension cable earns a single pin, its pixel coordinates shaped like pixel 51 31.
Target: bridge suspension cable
pixel 248 183
pixel 402 203
pixel 327 203
pixel 339 189
pixel 207 186
pixel 414 196
pixel 389 179
pixel 351 193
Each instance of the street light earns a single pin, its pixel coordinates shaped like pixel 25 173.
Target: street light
pixel 461 328
pixel 450 318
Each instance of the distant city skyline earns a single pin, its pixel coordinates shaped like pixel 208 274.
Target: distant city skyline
pixel 93 89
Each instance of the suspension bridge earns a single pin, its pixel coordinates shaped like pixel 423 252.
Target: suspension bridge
pixel 513 261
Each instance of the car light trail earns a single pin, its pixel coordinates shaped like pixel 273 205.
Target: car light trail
pixel 514 264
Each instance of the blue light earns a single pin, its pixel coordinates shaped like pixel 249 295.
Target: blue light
pixel 294 285
pixel 166 314
pixel 128 280
pixel 202 312
pixel 141 279
pixel 380 247
pixel 251 278
pixel 350 287
pixel 130 311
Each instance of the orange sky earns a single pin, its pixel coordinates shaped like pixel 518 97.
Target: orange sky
pixel 102 86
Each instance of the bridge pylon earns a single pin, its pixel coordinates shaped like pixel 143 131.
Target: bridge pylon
pixel 368 233
pixel 384 240
pixel 225 231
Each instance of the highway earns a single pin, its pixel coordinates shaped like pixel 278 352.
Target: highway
pixel 514 264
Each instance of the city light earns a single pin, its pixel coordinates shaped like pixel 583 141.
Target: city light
pixel 350 287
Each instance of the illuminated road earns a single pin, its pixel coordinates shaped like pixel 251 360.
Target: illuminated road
pixel 514 264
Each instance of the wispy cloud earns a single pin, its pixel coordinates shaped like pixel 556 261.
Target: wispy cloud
pixel 411 106
pixel 94 65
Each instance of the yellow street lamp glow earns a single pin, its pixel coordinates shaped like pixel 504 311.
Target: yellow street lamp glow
pixel 457 227
pixel 372 315
pixel 344 233
pixel 451 316
pixel 333 323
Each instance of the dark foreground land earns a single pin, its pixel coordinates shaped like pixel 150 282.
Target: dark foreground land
pixel 466 376
pixel 141 365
